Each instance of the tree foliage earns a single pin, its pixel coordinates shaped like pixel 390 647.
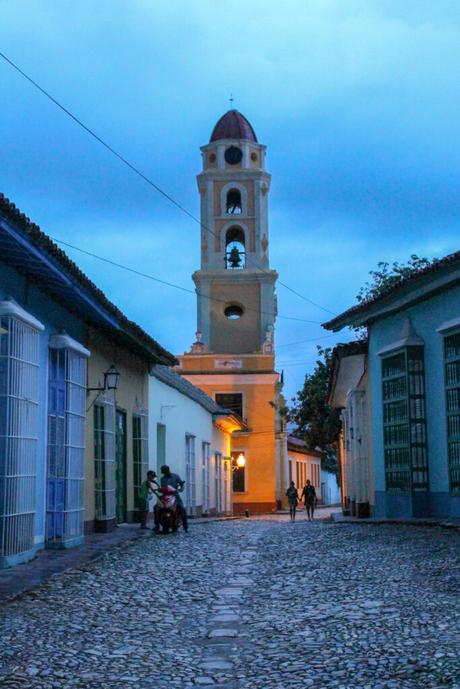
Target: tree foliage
pixel 315 421
pixel 388 275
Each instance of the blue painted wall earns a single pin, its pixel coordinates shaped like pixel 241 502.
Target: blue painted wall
pixel 55 318
pixel 426 317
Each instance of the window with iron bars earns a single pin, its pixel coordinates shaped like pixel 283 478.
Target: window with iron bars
pixel 104 458
pixel 205 477
pixel 140 454
pixel 452 384
pixel 66 445
pixel 190 474
pixel 19 395
pixel 404 421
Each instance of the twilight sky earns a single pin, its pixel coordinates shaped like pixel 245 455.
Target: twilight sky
pixel 357 100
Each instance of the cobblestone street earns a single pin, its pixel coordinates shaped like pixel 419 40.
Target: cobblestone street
pixel 247 604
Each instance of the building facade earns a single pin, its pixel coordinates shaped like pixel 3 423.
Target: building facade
pixel 58 333
pixel 302 465
pixel 414 389
pixel 232 359
pixel 190 433
pixel 349 392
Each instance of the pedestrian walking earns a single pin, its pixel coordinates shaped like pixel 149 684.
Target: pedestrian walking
pixel 146 493
pixel 293 499
pixel 309 498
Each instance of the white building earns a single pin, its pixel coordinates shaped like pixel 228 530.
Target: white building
pixel 348 391
pixel 190 433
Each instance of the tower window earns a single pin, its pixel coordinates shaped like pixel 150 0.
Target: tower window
pixel 233 206
pixel 233 312
pixel 235 248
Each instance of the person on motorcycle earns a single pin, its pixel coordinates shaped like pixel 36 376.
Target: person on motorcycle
pixel 175 481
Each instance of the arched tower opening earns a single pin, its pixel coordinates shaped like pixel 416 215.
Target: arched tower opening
pixel 235 250
pixel 233 204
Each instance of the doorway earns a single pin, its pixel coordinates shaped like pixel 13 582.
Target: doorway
pixel 161 447
pixel 120 465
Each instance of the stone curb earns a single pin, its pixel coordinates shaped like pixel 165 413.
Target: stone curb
pixel 340 519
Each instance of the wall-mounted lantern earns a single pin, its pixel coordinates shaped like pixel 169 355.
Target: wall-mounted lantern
pixel 239 462
pixel 111 379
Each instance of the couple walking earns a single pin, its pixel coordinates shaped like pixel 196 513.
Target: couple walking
pixel 308 496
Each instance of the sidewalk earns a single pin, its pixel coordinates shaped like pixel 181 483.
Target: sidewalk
pixel 49 563
pixel 425 521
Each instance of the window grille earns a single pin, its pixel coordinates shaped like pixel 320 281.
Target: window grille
pixel 190 474
pixel 104 458
pixel 404 421
pixel 452 383
pixel 218 480
pixel 226 469
pixel 140 453
pixel 66 445
pixel 19 393
pixel 205 477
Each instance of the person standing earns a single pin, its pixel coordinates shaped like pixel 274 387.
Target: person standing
pixel 145 494
pixel 309 498
pixel 293 498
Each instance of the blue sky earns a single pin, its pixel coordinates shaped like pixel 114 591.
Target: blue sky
pixel 357 100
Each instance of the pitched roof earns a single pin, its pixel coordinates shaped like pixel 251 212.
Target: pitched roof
pixel 298 445
pixel 420 277
pixel 131 334
pixel 174 380
pixel 340 351
pixel 233 125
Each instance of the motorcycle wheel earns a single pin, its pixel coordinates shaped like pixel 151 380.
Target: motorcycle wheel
pixel 165 528
pixel 174 528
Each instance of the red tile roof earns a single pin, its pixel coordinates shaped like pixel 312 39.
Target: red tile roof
pixel 233 125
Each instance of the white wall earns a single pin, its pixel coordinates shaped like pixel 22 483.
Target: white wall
pixel 180 416
pixel 330 491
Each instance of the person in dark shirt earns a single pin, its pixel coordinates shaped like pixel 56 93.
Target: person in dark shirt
pixel 309 498
pixel 293 498
pixel 175 481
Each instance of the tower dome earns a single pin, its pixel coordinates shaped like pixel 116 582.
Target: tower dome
pixel 233 125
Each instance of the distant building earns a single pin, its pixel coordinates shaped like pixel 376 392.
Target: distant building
pixel 233 357
pixel 59 336
pixel 191 433
pixel 302 464
pixel 349 391
pixel 414 391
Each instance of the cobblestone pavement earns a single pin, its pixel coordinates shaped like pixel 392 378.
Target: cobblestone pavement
pixel 245 605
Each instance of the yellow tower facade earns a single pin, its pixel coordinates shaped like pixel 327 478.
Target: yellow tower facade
pixel 232 359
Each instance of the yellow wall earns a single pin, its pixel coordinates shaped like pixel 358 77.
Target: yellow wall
pixel 131 394
pixel 241 334
pixel 258 444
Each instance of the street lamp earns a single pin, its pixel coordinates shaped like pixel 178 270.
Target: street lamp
pixel 239 462
pixel 111 378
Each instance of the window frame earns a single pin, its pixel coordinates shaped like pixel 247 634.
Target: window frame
pixel 65 476
pixel 452 440
pixel 104 493
pixel 414 443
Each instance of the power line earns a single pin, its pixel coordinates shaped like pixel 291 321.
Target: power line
pixel 312 339
pixel 171 284
pixel 138 172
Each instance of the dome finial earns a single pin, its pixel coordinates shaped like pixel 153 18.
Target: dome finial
pixel 230 100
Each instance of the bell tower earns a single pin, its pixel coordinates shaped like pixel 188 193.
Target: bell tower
pixel 235 286
pixel 233 356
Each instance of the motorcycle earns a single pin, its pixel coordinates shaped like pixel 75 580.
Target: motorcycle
pixel 168 513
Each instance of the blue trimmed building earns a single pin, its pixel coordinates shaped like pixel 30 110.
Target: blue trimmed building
pixel 413 369
pixel 53 321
